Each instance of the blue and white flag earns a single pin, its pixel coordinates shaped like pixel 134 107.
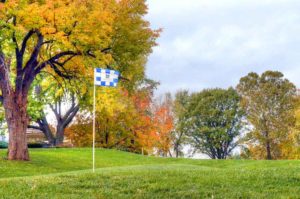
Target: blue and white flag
pixel 106 77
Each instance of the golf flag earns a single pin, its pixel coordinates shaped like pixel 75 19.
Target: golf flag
pixel 106 77
pixel 102 77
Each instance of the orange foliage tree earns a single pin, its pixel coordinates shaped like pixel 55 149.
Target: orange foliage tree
pixel 164 124
pixel 123 121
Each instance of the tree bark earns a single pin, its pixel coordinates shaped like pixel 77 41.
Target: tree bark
pixel 177 151
pixel 45 128
pixel 60 134
pixel 268 148
pixel 17 121
pixel 15 106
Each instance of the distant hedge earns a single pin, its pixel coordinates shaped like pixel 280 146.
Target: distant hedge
pixel 35 145
pixel 3 145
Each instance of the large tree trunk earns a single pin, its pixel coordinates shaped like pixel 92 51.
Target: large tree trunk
pixel 17 121
pixel 60 134
pixel 15 106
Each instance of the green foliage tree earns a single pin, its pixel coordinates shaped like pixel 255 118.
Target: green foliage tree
pixel 269 103
pixel 181 122
pixel 215 121
pixel 63 100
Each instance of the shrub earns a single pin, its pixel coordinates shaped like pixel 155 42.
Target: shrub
pixel 35 145
pixel 3 145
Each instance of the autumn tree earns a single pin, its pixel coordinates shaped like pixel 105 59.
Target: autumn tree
pixel 123 120
pixel 290 146
pixel 163 121
pixel 215 122
pixel 143 120
pixel 128 24
pixel 269 103
pixel 54 34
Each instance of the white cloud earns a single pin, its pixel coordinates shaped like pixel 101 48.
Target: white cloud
pixel 215 42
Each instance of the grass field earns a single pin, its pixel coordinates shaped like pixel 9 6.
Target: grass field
pixel 66 173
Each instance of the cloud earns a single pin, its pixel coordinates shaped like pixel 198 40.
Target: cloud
pixel 214 43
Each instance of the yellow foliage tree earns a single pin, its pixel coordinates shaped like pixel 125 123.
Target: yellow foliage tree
pixel 67 38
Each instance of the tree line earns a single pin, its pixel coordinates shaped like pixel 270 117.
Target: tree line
pixel 257 119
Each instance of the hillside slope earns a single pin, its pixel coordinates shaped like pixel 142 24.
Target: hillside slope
pixel 65 173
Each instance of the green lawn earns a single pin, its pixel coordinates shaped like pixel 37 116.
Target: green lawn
pixel 66 173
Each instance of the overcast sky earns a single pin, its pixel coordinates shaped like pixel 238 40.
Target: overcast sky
pixel 212 43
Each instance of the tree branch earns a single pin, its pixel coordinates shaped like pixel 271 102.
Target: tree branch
pixel 36 50
pixel 25 40
pixel 28 76
pixel 55 112
pixel 71 116
pixel 54 59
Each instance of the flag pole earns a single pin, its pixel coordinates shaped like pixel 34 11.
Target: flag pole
pixel 109 78
pixel 94 124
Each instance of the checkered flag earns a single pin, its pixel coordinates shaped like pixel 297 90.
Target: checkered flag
pixel 102 77
pixel 106 77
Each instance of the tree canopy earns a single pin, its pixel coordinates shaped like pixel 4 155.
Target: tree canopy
pixel 67 39
pixel 269 103
pixel 215 121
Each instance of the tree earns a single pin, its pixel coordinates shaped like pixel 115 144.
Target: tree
pixel 290 146
pixel 51 35
pixel 143 120
pixel 132 41
pixel 63 36
pixel 181 121
pixel 164 124
pixel 123 120
pixel 64 114
pixel 63 99
pixel 215 121
pixel 269 103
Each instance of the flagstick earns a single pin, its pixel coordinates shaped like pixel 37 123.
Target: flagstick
pixel 94 124
pixel 114 83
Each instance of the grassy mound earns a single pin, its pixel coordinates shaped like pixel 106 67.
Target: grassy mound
pixel 65 173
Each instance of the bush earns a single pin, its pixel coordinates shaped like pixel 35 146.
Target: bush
pixel 35 145
pixel 3 145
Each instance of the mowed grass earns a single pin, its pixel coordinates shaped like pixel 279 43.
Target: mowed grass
pixel 66 173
